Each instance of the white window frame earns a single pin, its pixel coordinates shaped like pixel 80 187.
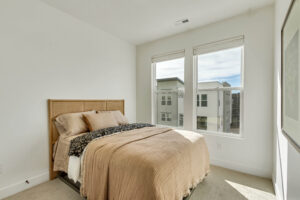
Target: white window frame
pixel 209 48
pixel 155 59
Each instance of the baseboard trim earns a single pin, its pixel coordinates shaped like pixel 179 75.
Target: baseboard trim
pixel 240 167
pixel 21 185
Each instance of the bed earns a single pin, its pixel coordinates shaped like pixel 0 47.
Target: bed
pixel 139 163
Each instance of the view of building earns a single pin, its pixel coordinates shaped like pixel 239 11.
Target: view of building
pixel 213 106
pixel 170 92
pixel 218 109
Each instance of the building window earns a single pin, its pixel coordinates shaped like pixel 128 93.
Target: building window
pixel 203 100
pixel 180 119
pixel 219 81
pixel 163 100
pixel 235 122
pixel 169 102
pixel 201 123
pixel 163 117
pixel 168 90
pixel 169 117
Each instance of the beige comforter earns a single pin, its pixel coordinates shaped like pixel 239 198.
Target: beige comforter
pixel 144 164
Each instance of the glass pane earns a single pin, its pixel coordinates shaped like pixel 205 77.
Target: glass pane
pixel 170 92
pixel 203 103
pixel 219 110
pixel 221 66
pixel 222 113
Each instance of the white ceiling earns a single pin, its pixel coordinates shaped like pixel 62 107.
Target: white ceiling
pixel 140 21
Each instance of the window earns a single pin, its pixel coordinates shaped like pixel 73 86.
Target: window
pixel 201 123
pixel 203 100
pixel 217 83
pixel 169 117
pixel 218 88
pixel 163 100
pixel 163 117
pixel 169 101
pixel 168 91
pixel 180 119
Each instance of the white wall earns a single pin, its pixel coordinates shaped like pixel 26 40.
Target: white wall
pixel 253 153
pixel 44 54
pixel 286 176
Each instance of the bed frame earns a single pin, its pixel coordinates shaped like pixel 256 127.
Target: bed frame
pixel 57 107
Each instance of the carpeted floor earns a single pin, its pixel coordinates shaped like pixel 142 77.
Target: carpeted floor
pixel 220 184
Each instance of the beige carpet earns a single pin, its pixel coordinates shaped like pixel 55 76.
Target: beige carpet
pixel 221 184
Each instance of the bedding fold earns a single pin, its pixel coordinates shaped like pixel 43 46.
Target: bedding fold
pixel 78 144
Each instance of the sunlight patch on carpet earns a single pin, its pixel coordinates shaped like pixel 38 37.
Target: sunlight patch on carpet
pixel 250 192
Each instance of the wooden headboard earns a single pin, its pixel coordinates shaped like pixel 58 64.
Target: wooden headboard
pixel 57 107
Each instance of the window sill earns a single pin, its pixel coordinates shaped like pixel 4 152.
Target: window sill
pixel 218 134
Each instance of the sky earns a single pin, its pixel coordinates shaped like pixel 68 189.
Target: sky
pixel 170 68
pixel 219 66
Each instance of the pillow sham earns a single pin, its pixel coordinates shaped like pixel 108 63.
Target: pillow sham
pixel 100 120
pixel 60 129
pixel 71 123
pixel 119 117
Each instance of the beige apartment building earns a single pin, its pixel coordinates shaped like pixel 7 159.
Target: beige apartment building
pixel 217 108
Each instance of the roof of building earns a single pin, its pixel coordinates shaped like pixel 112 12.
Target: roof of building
pixel 225 84
pixel 170 79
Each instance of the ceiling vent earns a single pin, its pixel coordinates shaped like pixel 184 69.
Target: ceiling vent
pixel 182 21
